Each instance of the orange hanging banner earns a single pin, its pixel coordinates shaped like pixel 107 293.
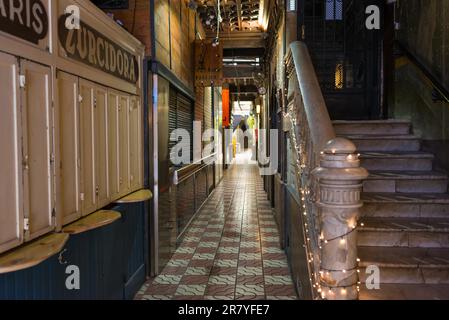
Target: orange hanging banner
pixel 225 103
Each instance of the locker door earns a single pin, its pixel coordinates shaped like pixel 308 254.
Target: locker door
pixel 68 104
pixel 101 145
pixel 113 145
pixel 141 146
pixel 11 215
pixel 88 183
pixel 135 143
pixel 37 149
pixel 124 144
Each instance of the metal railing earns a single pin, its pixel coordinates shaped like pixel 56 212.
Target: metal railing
pixel 440 92
pixel 328 180
pixel 190 187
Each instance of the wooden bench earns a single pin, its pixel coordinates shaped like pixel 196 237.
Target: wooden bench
pixel 138 196
pixel 33 253
pixel 93 221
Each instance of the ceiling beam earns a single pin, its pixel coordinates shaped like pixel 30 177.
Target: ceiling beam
pixel 245 39
pixel 244 52
pixel 238 3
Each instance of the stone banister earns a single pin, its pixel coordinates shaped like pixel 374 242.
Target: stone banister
pixel 320 125
pixel 329 181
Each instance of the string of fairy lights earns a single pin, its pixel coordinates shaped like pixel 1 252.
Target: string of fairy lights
pixel 315 279
pixel 306 197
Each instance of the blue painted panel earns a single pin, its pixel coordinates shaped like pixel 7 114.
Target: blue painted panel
pixel 133 228
pixel 111 260
pixel 98 256
pixel 36 283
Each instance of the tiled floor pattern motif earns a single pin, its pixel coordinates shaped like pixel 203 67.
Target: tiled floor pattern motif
pixel 230 251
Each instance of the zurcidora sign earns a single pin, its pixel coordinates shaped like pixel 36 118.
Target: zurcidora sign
pixel 90 47
pixel 25 19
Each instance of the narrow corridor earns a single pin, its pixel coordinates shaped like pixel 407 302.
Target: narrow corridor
pixel 230 251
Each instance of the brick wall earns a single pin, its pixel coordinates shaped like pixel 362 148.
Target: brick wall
pixel 137 21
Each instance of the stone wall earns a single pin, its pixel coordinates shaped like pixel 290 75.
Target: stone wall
pixel 424 30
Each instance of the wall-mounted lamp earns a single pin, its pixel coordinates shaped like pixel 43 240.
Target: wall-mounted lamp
pixel 258 109
pixel 215 42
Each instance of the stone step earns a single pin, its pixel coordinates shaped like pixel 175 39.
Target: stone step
pixel 397 161
pixel 404 232
pixel 406 265
pixel 406 292
pixel 370 127
pixel 367 143
pixel 406 182
pixel 418 205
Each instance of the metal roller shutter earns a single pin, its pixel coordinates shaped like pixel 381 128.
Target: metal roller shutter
pixel 185 117
pixel 208 108
pixel 172 116
pixel 180 116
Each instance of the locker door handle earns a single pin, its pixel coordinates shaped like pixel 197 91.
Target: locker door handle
pixel 25 163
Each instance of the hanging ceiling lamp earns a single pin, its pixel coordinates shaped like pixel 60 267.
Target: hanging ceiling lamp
pixel 216 41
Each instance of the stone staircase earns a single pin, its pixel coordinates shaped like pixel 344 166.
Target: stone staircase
pixel 405 217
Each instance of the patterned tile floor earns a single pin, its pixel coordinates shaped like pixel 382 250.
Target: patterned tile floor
pixel 231 250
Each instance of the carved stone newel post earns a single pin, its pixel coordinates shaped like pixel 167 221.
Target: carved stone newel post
pixel 340 183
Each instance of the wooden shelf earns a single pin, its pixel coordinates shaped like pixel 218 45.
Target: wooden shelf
pixel 139 196
pixel 32 254
pixel 93 221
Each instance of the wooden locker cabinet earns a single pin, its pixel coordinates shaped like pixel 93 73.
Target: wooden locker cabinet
pixel 69 147
pixel 101 146
pixel 87 137
pixel 37 150
pixel 135 143
pixel 113 144
pixel 94 146
pixel 11 215
pixel 124 180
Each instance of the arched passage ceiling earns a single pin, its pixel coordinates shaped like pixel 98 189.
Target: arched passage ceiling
pixel 244 32
pixel 244 22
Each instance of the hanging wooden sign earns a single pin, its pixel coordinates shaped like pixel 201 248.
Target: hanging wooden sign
pixel 89 46
pixel 208 64
pixel 25 19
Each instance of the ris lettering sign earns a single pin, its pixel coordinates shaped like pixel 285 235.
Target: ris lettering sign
pixel 90 47
pixel 25 19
